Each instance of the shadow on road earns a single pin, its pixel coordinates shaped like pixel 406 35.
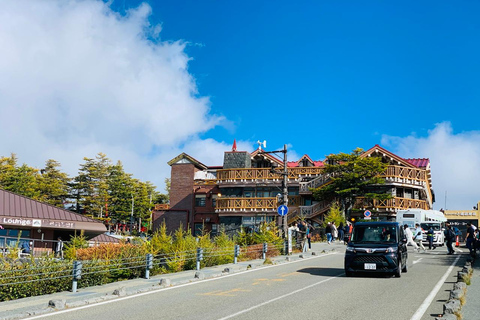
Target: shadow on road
pixel 326 272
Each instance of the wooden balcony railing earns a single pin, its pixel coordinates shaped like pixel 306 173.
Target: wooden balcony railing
pixel 254 174
pixel 391 204
pixel 254 204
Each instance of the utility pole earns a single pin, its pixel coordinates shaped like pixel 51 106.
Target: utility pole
pixel 284 199
pixel 131 216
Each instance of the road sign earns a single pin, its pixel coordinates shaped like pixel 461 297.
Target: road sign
pixel 282 210
pixel 367 214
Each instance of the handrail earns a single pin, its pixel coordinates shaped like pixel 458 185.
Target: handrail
pixel 258 203
pixel 395 203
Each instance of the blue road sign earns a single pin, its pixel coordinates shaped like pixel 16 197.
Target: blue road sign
pixel 367 214
pixel 282 210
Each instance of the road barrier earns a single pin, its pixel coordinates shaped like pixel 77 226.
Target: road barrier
pixel 37 270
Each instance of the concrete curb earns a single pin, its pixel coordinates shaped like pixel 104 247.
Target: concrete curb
pixel 452 309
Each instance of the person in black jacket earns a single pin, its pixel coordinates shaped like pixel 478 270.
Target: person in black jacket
pixel 328 232
pixel 449 237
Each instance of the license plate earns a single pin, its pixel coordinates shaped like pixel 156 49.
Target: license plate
pixel 370 266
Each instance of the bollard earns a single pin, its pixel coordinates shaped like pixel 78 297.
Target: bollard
pixel 199 257
pixel 236 253
pixel 285 247
pixel 149 265
pixel 77 274
pixel 264 251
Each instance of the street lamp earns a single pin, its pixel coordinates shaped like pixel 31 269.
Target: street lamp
pixel 284 196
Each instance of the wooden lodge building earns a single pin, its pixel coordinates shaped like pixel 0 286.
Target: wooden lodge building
pixel 243 191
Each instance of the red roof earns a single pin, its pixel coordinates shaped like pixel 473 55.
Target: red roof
pixel 419 163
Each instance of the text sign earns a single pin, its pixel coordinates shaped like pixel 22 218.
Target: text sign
pixel 367 214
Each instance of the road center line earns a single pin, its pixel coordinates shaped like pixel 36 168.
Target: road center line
pixel 280 297
pixel 426 303
pixel 175 287
pixel 417 261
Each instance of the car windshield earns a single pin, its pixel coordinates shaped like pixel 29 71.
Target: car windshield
pixel 426 226
pixel 374 234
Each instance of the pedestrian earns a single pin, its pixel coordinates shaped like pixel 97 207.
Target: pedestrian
pixel 328 232
pixel 309 235
pixel 430 235
pixel 449 237
pixel 25 247
pixel 419 237
pixel 334 231
pixel 469 241
pixel 341 232
pixel 409 236
pixel 59 248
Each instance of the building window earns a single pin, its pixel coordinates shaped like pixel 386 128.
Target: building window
pixel 200 200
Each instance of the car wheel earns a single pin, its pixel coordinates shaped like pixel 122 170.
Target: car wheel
pixel 398 273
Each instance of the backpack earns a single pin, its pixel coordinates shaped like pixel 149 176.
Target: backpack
pixel 450 235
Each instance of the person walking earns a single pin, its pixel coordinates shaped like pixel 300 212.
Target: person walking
pixel 409 236
pixel 334 231
pixel 341 232
pixel 328 232
pixel 59 249
pixel 419 237
pixel 430 235
pixel 309 235
pixel 469 241
pixel 449 237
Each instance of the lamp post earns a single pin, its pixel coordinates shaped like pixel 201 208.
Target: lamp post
pixel 284 198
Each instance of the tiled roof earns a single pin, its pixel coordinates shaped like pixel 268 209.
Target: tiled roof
pixel 419 163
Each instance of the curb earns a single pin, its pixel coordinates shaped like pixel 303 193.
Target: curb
pixel 452 309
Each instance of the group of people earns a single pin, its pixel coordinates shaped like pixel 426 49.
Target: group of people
pixel 304 235
pixel 341 233
pixel 415 238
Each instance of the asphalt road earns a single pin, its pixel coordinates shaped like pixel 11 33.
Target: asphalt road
pixel 313 288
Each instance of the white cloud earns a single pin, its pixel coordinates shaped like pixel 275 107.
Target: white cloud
pixel 78 78
pixel 454 158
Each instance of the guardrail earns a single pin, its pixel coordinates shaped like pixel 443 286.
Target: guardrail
pixel 76 270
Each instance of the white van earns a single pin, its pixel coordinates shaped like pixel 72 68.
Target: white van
pixel 426 219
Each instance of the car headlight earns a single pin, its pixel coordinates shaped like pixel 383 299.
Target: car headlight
pixel 391 249
pixel 350 249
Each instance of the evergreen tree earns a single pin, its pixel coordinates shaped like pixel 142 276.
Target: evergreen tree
pixel 53 184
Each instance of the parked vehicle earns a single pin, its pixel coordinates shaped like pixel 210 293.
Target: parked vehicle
pixel 376 247
pixel 426 219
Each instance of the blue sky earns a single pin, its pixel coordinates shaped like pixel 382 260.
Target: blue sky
pixel 143 81
pixel 340 73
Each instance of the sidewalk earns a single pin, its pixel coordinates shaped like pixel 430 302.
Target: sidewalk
pixel 22 308
pixel 471 309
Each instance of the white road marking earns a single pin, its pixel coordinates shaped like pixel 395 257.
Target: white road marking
pixel 278 298
pixel 426 303
pixel 178 286
pixel 417 261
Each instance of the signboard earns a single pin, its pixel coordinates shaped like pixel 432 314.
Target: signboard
pixel 367 214
pixel 282 210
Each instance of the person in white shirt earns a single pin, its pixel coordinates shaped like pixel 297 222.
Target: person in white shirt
pixel 419 237
pixel 409 235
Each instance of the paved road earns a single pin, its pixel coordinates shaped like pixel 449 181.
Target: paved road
pixel 311 288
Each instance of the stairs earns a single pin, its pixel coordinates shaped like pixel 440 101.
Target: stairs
pixel 321 180
pixel 309 212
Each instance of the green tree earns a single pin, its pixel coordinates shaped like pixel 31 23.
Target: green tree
pixel 53 184
pixel 334 215
pixel 352 176
pixel 21 180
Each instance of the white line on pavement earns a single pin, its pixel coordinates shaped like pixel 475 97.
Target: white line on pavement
pixel 175 287
pixel 280 297
pixel 417 261
pixel 426 303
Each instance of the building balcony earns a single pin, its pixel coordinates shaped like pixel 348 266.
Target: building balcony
pixel 254 204
pixel 393 204
pixel 263 174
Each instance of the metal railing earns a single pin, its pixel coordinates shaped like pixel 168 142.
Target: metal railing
pixel 11 275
